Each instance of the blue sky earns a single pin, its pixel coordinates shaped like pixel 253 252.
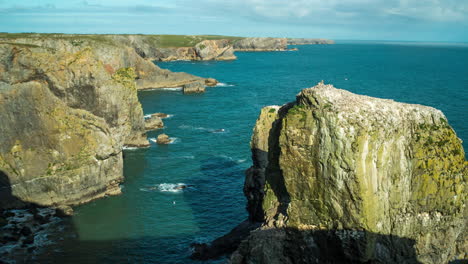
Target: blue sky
pixel 413 20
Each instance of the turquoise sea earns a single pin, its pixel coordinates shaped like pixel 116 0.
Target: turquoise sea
pixel 148 224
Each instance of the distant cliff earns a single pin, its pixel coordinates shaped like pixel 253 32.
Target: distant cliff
pixel 306 41
pixel 261 44
pixel 344 178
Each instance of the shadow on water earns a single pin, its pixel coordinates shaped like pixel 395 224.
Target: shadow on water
pixel 7 199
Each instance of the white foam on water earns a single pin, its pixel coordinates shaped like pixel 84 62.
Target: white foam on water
pixel 165 187
pixel 174 140
pixel 224 85
pixel 171 89
pixel 129 148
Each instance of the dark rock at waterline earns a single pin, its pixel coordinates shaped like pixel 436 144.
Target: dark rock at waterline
pixel 225 244
pixel 8 214
pixel 31 249
pixel 28 240
pixel 25 231
pixel 3 222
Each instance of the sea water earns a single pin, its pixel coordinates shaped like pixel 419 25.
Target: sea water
pixel 153 223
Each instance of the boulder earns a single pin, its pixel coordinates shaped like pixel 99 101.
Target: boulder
pixel 153 123
pixel 163 139
pixel 195 87
pixel 211 82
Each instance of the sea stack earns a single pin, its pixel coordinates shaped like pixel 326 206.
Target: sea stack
pixel 339 178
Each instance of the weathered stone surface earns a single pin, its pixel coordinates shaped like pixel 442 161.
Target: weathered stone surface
pixel 163 139
pixel 215 50
pixel 65 119
pixel 153 123
pixel 195 87
pixel 307 41
pixel 370 179
pixel 261 44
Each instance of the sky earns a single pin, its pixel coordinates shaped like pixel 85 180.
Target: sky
pixel 403 20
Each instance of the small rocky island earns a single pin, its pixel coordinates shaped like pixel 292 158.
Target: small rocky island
pixel 344 178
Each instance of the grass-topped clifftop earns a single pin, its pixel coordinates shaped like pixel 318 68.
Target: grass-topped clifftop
pixel 162 41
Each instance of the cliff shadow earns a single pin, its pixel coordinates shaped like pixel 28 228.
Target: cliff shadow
pixel 273 174
pixel 7 199
pixel 291 245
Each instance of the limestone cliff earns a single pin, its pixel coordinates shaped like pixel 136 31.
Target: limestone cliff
pixel 309 41
pixel 115 51
pixel 340 178
pixel 203 51
pixel 65 116
pixel 261 44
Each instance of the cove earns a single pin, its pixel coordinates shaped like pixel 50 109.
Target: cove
pixel 157 226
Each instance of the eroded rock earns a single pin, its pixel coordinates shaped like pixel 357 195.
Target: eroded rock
pixel 195 87
pixel 163 139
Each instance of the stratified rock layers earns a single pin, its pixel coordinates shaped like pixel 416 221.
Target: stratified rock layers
pixel 65 117
pixel 350 178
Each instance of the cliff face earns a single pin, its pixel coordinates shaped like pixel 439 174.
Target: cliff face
pixel 115 52
pixel 343 177
pixel 204 50
pixel 307 41
pixel 65 116
pixel 261 44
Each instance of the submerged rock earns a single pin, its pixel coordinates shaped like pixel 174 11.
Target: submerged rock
pixel 339 177
pixel 195 87
pixel 163 139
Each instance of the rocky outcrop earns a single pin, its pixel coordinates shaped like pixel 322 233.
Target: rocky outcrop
pixel 163 139
pixel 203 51
pixel 261 44
pixel 65 118
pixel 153 123
pixel 309 41
pixel 215 50
pixel 196 87
pixel 341 178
